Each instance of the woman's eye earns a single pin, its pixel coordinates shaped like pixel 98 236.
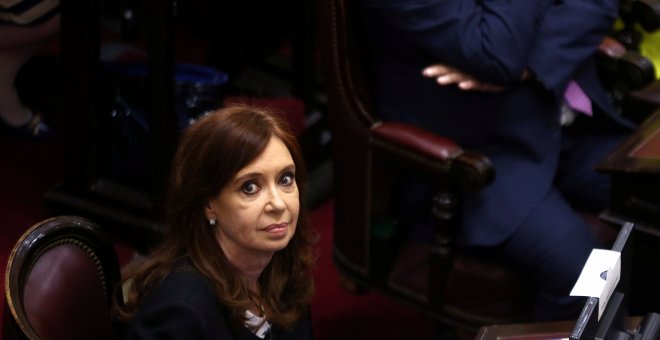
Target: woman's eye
pixel 287 179
pixel 250 188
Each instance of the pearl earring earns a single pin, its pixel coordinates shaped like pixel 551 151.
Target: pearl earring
pixel 212 221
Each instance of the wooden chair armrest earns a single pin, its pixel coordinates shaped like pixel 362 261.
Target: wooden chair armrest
pixel 623 70
pixel 428 151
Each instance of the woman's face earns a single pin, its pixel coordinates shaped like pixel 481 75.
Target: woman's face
pixel 257 210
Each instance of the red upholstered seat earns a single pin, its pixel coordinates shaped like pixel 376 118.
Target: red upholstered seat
pixel 60 276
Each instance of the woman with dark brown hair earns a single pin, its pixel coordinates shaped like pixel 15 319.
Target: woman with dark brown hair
pixel 236 260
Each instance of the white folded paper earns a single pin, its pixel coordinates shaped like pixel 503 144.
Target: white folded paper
pixel 599 277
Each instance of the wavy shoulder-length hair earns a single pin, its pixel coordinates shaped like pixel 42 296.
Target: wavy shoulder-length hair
pixel 210 153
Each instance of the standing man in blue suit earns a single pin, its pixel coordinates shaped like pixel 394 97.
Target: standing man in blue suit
pixel 492 75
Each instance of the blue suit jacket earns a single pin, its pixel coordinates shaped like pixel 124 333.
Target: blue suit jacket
pixel 493 40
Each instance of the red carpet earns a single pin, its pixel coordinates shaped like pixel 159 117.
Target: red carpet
pixel 338 314
pixel 29 170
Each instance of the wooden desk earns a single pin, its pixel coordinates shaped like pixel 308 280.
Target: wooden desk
pixel 538 331
pixel 545 330
pixel 635 170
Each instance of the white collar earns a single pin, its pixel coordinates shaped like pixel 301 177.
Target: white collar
pixel 256 324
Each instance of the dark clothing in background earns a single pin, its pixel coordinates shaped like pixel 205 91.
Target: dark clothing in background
pixel 543 170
